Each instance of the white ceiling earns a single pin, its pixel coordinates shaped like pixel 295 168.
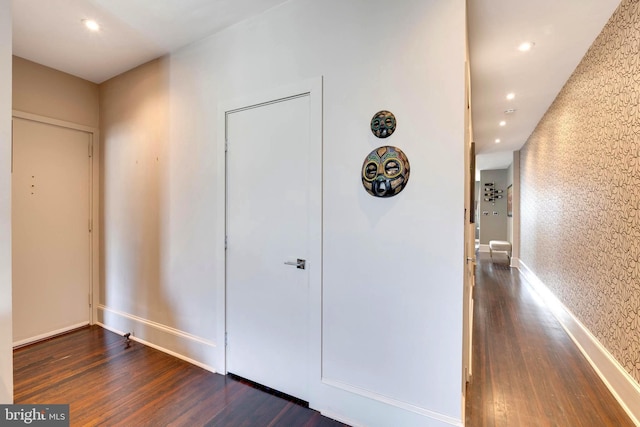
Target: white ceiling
pixel 133 32
pixel 562 31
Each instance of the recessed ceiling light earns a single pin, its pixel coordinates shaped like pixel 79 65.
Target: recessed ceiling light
pixel 510 96
pixel 91 24
pixel 503 123
pixel 526 46
pixel 497 141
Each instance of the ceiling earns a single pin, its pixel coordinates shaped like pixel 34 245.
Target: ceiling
pixel 562 31
pixel 134 32
pixel 50 32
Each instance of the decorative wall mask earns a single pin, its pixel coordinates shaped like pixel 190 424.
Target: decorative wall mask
pixel 385 171
pixel 383 124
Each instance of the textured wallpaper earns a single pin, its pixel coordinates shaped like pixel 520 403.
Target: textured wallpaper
pixel 580 199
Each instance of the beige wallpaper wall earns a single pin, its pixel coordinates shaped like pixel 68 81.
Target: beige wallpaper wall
pixel 580 173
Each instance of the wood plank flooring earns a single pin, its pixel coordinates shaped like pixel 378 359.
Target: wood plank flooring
pixel 527 371
pixel 107 384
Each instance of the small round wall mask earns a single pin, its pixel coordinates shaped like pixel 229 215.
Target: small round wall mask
pixel 385 171
pixel 383 124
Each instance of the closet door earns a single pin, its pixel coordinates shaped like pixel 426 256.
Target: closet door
pixel 50 226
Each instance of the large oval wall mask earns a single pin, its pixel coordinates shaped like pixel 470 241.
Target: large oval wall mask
pixel 385 171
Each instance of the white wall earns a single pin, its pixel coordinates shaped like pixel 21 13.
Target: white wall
pixel 6 348
pixel 493 215
pixel 392 268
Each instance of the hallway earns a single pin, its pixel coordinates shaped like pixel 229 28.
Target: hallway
pixel 527 371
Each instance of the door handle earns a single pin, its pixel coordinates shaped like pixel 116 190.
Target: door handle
pixel 470 259
pixel 299 263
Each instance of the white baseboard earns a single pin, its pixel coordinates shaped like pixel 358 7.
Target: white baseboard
pixel 515 262
pixel 190 348
pixel 622 385
pixel 446 419
pixel 48 335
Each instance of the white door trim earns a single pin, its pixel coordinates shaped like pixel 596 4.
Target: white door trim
pixel 312 87
pixel 94 200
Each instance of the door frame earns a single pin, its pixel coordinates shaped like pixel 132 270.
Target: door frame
pixel 469 261
pixel 312 87
pixel 94 201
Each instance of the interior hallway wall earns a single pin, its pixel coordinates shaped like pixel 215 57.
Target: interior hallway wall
pixel 6 334
pixel 137 295
pixel 392 268
pixel 580 182
pixel 51 93
pixel 514 220
pixel 493 214
pixel 509 219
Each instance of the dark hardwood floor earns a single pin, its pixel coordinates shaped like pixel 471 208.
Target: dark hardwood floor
pixel 527 371
pixel 107 384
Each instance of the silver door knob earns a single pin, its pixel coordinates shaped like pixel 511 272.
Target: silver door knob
pixel 299 263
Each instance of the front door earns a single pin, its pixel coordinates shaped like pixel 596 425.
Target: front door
pixel 268 253
pixel 50 226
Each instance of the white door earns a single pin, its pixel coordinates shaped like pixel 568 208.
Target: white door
pixel 268 232
pixel 50 226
